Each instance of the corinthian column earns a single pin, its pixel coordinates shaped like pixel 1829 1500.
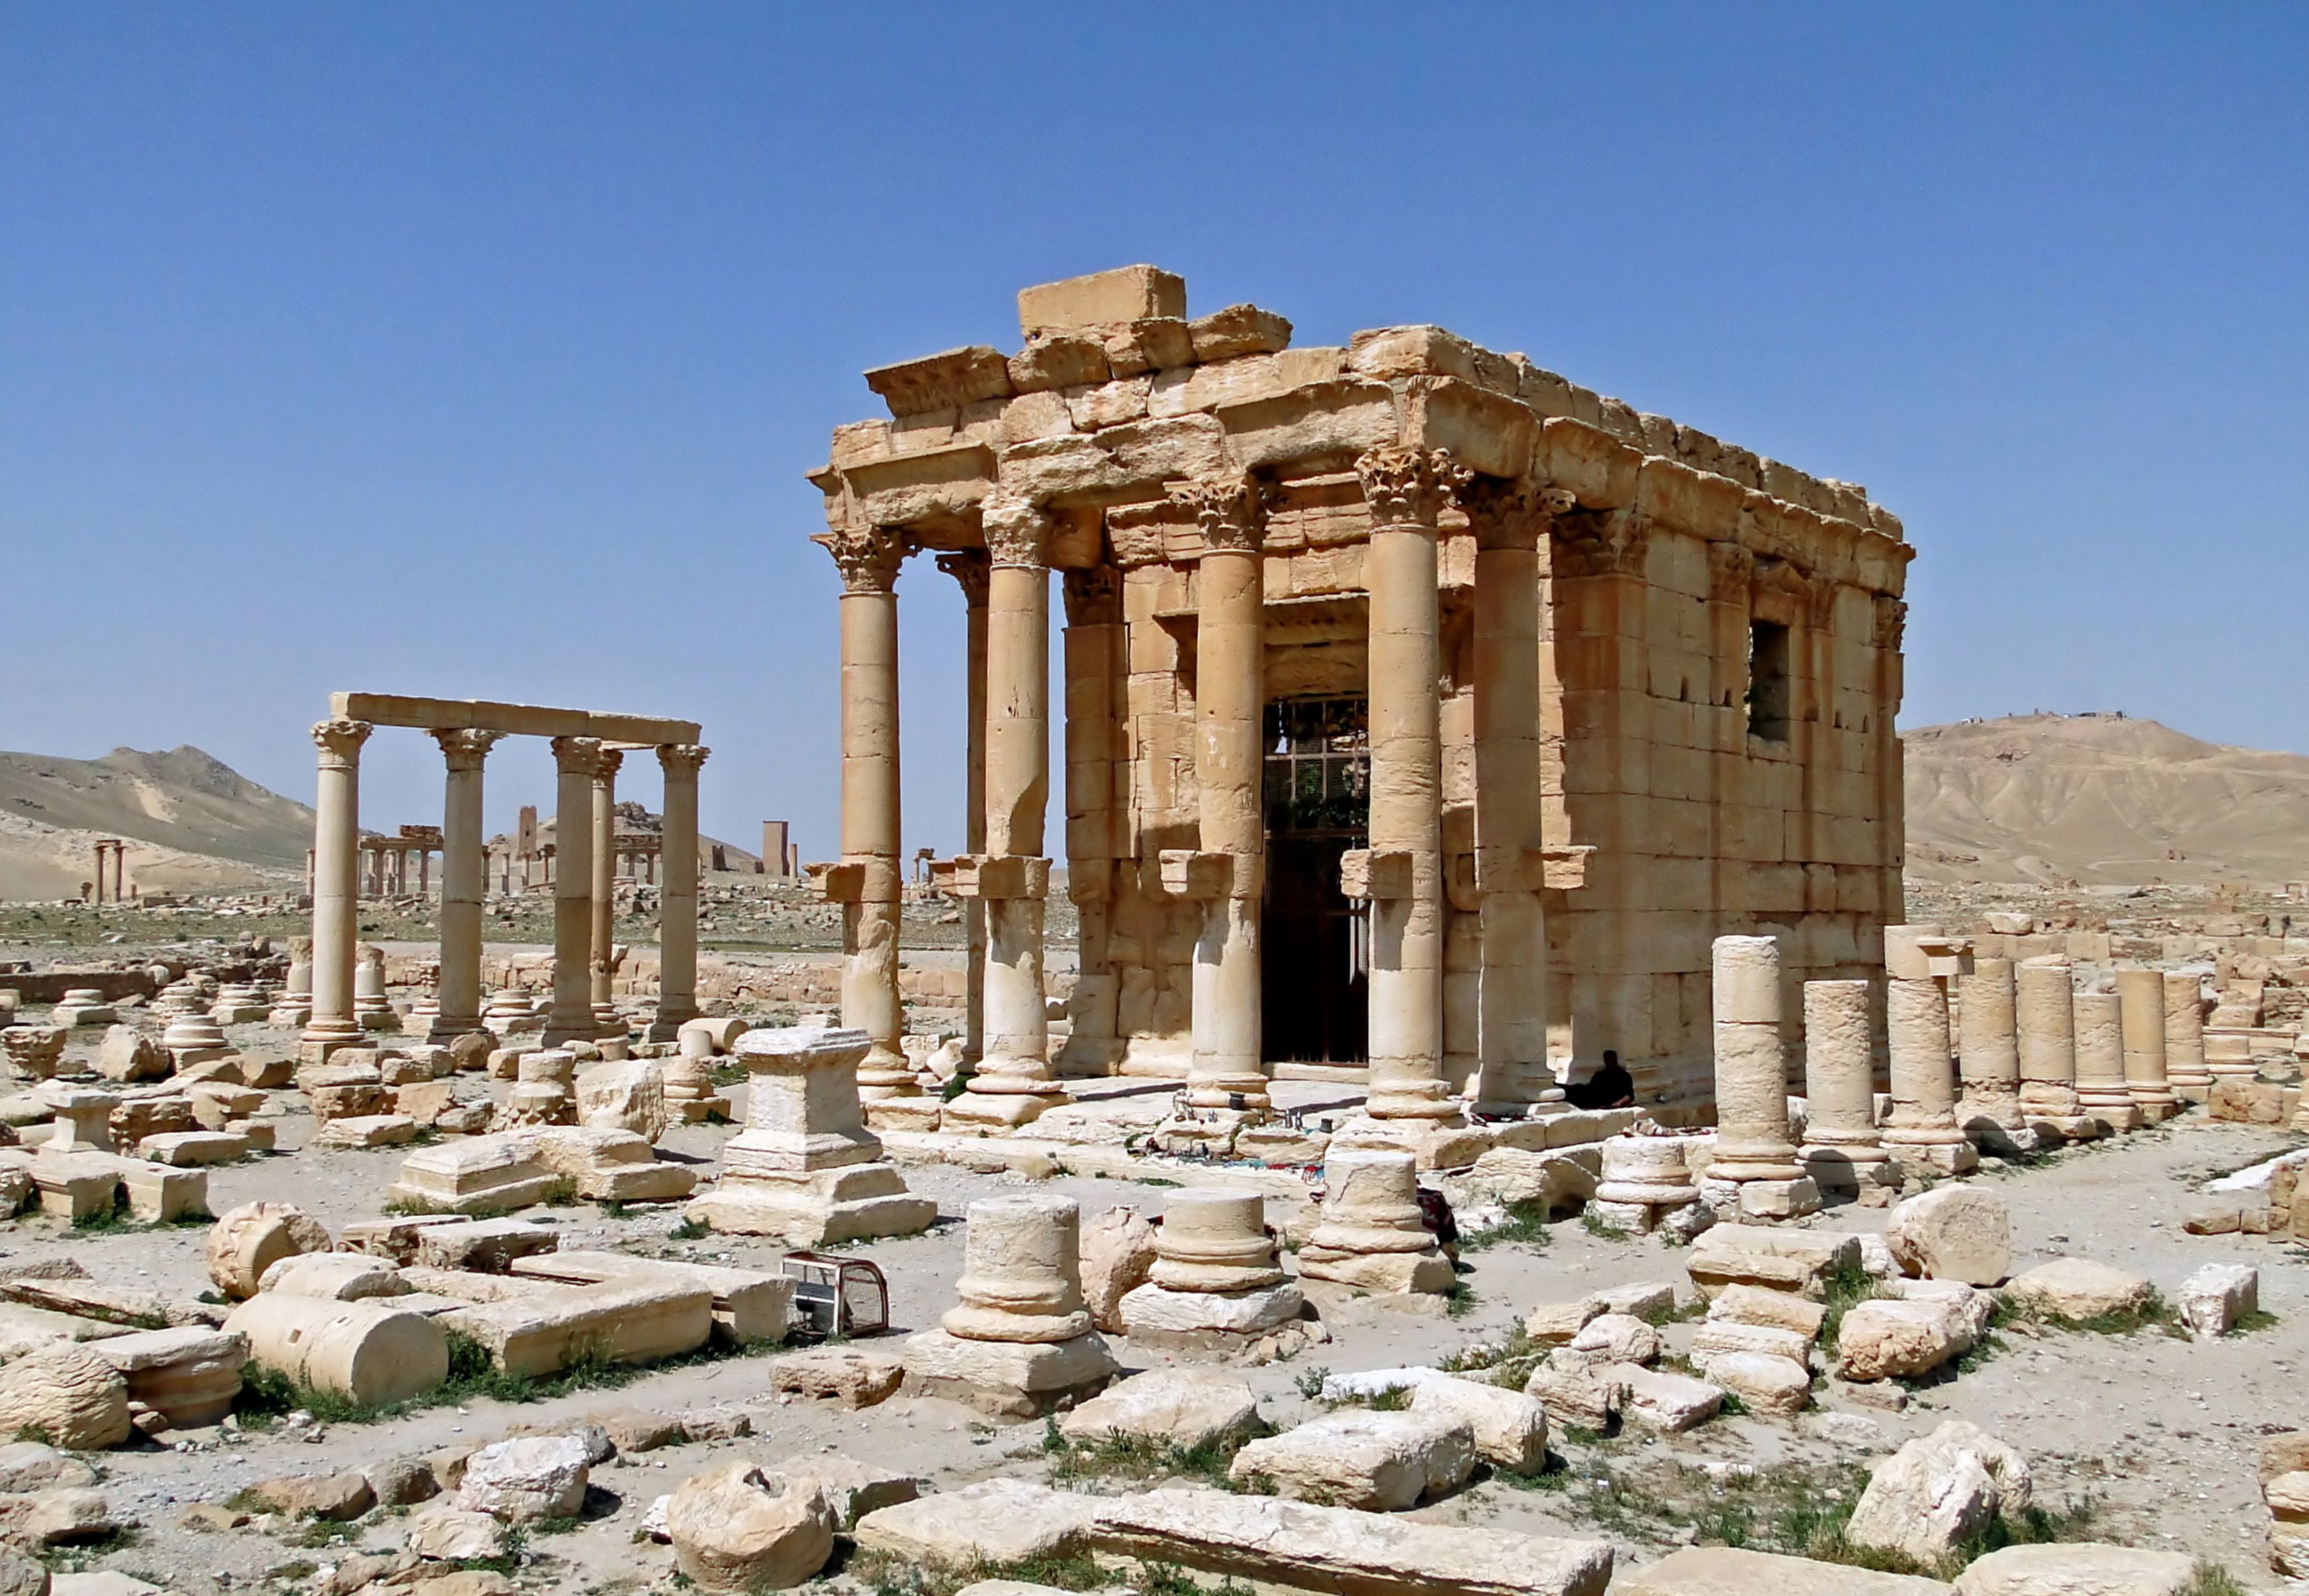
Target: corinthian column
pixel 463 882
pixel 601 966
pixel 1013 1083
pixel 968 568
pixel 1230 691
pixel 676 924
pixel 336 887
pixel 1511 1031
pixel 572 1018
pixel 868 885
pixel 1402 873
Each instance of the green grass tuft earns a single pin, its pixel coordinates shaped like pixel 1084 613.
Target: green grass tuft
pixel 1526 1225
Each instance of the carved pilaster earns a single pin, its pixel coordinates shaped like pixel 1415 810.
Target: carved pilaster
pixel 1409 488
pixel 868 558
pixel 969 567
pixel 465 748
pixel 1601 543
pixel 1892 623
pixel 1232 514
pixel 1017 532
pixel 1093 598
pixel 340 742
pixel 1730 569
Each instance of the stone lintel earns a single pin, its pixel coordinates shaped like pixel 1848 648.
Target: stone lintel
pixel 515 719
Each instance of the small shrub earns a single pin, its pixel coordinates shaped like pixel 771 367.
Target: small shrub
pixel 1595 1226
pixel 2212 1580
pixel 1526 1225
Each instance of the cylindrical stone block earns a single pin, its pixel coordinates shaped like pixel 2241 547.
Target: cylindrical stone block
pixel 1371 1203
pixel 2101 1088
pixel 1214 1241
pixel 247 1241
pixel 2044 1013
pixel 2185 1035
pixel 1988 1051
pixel 1839 1074
pixel 1021 1271
pixel 1922 1073
pixel 360 1351
pixel 2140 1004
pixel 1753 1140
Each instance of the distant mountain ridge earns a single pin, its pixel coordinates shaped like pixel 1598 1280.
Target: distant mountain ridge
pixel 191 820
pixel 2101 800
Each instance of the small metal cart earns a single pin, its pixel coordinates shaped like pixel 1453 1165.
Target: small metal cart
pixel 837 1296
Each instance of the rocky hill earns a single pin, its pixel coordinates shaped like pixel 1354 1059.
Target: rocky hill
pixel 2100 800
pixel 191 822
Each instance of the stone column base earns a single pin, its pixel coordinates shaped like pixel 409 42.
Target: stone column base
pixel 1008 1379
pixel 1941 1158
pixel 1855 1168
pixel 1432 1143
pixel 852 1203
pixel 1210 1321
pixel 991 1113
pixel 1277 1144
pixel 915 1111
pixel 2116 1119
pixel 317 1049
pixel 2056 1128
pixel 1385 1274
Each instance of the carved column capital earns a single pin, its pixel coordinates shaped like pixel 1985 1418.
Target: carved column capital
pixel 1892 623
pixel 681 758
pixel 969 567
pixel 1513 514
pixel 576 755
pixel 466 748
pixel 868 558
pixel 1409 488
pixel 607 763
pixel 1017 531
pixel 1232 514
pixel 1093 598
pixel 339 741
pixel 1730 569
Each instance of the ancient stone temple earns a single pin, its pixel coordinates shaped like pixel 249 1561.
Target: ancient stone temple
pixel 1424 713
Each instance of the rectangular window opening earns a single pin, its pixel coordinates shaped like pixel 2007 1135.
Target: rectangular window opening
pixel 1767 681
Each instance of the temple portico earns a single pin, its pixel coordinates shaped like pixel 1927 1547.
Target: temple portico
pixel 1425 717
pixel 586 748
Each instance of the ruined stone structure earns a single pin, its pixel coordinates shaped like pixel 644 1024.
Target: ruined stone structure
pixel 585 748
pixel 1424 711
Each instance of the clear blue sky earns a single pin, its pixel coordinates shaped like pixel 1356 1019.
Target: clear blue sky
pixel 479 351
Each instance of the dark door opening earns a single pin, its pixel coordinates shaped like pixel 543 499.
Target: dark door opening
pixel 1315 947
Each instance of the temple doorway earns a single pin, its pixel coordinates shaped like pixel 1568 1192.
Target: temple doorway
pixel 1315 943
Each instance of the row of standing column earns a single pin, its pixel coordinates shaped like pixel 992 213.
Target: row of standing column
pixel 2035 1056
pixel 1401 871
pixel 583 952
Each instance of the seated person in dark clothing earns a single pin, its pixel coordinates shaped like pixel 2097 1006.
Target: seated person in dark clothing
pixel 1609 1087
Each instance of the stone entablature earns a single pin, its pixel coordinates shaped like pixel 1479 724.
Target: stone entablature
pixel 1696 799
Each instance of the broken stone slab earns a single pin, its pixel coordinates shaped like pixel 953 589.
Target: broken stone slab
pixel 1271 1543
pixel 1381 1463
pixel 341 1277
pixel 523 1480
pixel 1555 1323
pixel 489 1246
pixel 365 1130
pixel 999 1520
pixel 1772 1386
pixel 2078 1569
pixel 334 1496
pixel 2217 1297
pixel 157 1195
pixel 606 1164
pixel 1797 1261
pixel 1727 1571
pixel 1509 1426
pixel 749 1307
pixel 853 1377
pixel 35 1465
pixel 445 1532
pixel 1665 1401
pixel 189 1374
pixel 1959 1232
pixel 1577 1393
pixel 1617 1338
pixel 1008 1379
pixel 2076 1289
pixel 1775 1310
pixel 1880 1339
pixel 478 1175
pixel 1938 1491
pixel 852 1489
pixel 1715 1338
pixel 741 1528
pixel 633 1320
pixel 194 1149
pixel 1185 1408
pixel 1118 1254
pixel 360 1350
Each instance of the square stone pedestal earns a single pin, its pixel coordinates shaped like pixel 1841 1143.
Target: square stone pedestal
pixel 1432 1143
pixel 1778 1199
pixel 1008 1379
pixel 1210 1321
pixel 816 1207
pixel 1384 1273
